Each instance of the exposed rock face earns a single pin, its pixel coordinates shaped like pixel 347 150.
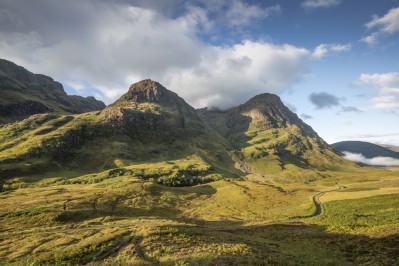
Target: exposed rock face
pixel 268 106
pixel 147 91
pixel 149 105
pixel 265 111
pixel 23 93
pixel 268 111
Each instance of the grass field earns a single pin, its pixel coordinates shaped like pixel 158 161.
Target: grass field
pixel 125 219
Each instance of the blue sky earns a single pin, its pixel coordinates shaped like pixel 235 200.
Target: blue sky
pixel 333 62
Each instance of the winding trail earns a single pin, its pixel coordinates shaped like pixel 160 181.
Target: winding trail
pixel 317 203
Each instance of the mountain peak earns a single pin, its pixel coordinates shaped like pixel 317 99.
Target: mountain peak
pixel 149 101
pixel 266 96
pixel 146 91
pixel 264 99
pixel 267 106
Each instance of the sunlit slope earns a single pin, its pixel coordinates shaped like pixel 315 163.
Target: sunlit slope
pixel 147 124
pixel 271 140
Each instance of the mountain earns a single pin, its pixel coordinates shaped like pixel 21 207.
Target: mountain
pixel 23 93
pixel 390 147
pixel 148 106
pixel 149 124
pixel 272 140
pixel 152 125
pixel 369 150
pixel 149 180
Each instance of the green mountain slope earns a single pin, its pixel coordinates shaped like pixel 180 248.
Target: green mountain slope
pixel 149 124
pixel 152 125
pixel 271 140
pixel 23 93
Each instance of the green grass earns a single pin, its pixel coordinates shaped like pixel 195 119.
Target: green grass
pixel 125 219
pixel 287 153
pixel 377 215
pixel 186 172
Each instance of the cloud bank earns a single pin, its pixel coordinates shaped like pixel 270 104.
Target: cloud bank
pixel 101 47
pixel 376 161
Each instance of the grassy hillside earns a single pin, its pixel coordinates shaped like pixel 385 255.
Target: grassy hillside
pixel 270 140
pixel 50 145
pixel 123 218
pixel 133 131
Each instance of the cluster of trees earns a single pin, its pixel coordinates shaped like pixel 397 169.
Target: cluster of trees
pixel 185 179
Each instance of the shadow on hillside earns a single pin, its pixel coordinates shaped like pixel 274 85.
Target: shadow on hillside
pixel 144 204
pixel 281 244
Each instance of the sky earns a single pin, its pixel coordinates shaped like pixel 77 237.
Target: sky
pixel 333 62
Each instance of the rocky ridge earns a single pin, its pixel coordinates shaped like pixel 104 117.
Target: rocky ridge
pixel 23 93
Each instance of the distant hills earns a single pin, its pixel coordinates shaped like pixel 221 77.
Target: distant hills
pixel 23 94
pixel 368 150
pixel 391 147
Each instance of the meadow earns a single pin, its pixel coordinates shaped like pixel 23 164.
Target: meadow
pixel 128 218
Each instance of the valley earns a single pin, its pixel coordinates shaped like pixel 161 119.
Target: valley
pixel 199 133
pixel 127 220
pixel 149 180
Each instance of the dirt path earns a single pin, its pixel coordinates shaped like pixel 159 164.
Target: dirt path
pixel 317 203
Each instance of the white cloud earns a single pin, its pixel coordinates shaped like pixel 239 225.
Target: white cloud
pixel 387 85
pixel 240 13
pixel 236 13
pixel 324 49
pixel 76 85
pixel 116 44
pixel 233 74
pixel 311 4
pixel 371 39
pixel 377 161
pixel 384 80
pixel 387 24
